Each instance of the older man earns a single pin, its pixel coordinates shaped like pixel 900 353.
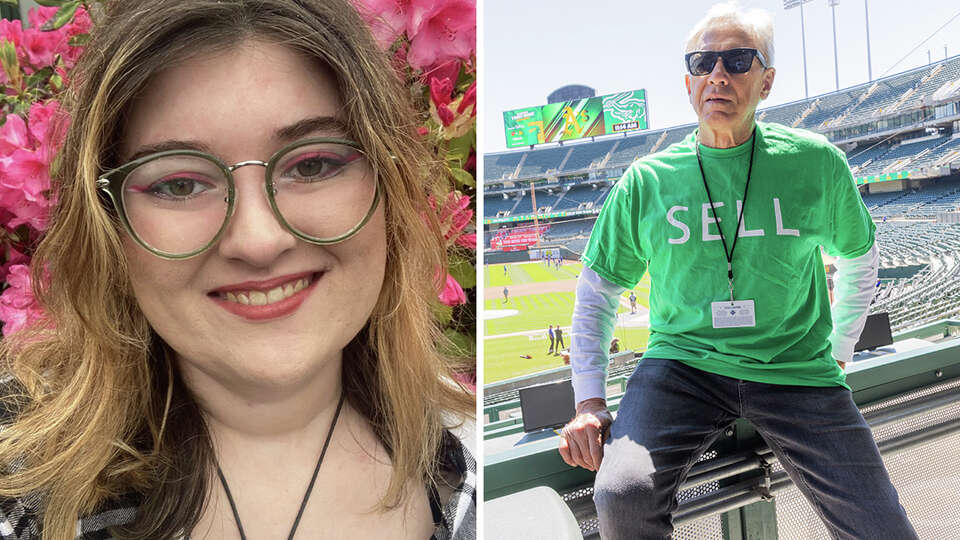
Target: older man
pixel 730 224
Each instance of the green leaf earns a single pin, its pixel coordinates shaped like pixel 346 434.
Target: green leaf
pixel 56 82
pixel 8 59
pixel 458 149
pixel 458 344
pixel 79 40
pixel 11 2
pixel 51 3
pixel 63 16
pixel 463 271
pixel 443 313
pixel 464 178
pixel 39 77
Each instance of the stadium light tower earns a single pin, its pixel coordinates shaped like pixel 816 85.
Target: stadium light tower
pixel 790 4
pixel 836 63
pixel 866 16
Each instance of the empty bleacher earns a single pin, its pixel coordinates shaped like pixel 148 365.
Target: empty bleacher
pixel 582 196
pixel 501 165
pixel 495 204
pixel 540 161
pixel 585 156
pixel 633 147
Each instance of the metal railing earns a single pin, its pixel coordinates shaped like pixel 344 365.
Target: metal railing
pixel 741 481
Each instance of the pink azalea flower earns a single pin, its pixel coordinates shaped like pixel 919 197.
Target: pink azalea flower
pixel 385 26
pixel 42 48
pixel 448 31
pixel 44 123
pixel 40 15
pixel 440 90
pixel 452 294
pixel 81 23
pixel 24 183
pixel 444 70
pixel 469 98
pixel 454 216
pixel 12 31
pixel 445 115
pixel 14 257
pixel 18 307
pixel 14 135
pixel 468 241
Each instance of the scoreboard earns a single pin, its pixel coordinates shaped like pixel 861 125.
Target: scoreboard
pixel 601 115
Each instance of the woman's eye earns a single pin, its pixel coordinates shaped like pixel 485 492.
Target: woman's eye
pixel 314 167
pixel 178 188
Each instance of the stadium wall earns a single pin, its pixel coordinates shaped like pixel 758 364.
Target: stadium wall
pixel 506 257
pixel 887 187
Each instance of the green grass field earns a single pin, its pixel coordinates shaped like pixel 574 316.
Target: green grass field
pixel 528 273
pixel 503 356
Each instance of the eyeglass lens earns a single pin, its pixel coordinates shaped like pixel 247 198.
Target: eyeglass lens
pixel 177 204
pixel 734 61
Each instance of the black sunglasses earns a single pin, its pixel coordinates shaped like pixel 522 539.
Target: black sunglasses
pixel 740 60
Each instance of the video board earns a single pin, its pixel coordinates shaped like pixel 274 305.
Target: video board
pixel 566 120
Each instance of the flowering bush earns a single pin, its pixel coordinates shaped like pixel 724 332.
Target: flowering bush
pixel 432 43
pixel 35 62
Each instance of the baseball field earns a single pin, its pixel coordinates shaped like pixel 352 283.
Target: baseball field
pixel 515 326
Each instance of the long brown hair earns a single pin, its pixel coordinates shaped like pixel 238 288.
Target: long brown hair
pixel 99 408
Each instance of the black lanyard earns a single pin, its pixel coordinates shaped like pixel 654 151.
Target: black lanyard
pixel 306 496
pixel 743 207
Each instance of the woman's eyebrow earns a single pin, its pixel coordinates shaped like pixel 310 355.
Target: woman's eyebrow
pixel 324 125
pixel 327 125
pixel 172 144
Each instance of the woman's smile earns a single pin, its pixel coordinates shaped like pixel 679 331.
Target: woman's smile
pixel 268 299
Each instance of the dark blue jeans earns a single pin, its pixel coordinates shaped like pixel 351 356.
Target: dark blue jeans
pixel 671 413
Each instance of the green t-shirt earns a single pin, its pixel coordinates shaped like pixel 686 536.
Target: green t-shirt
pixel 802 196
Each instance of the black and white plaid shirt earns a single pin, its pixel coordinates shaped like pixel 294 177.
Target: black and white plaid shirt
pixel 455 519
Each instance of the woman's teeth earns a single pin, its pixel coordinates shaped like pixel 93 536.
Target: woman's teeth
pixel 260 298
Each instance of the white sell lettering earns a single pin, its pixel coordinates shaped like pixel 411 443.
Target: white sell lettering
pixel 678 224
pixel 743 231
pixel 707 220
pixel 780 230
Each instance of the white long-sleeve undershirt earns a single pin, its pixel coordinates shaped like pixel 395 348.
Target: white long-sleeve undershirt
pixel 595 308
pixel 594 315
pixel 854 287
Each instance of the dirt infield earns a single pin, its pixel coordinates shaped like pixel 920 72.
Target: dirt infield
pixel 639 319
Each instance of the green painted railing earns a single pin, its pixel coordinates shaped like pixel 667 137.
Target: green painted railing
pixel 492 412
pixel 538 463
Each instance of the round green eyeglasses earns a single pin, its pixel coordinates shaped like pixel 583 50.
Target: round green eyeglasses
pixel 177 203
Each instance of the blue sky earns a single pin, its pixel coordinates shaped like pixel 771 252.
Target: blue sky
pixel 528 48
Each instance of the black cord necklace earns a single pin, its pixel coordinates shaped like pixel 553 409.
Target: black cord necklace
pixel 306 496
pixel 743 206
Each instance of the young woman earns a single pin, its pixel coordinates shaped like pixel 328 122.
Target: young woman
pixel 240 278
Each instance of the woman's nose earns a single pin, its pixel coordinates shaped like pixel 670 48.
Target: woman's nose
pixel 254 235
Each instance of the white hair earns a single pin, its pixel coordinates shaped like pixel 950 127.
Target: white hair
pixel 755 22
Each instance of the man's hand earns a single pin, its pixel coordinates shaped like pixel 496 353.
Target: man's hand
pixel 581 441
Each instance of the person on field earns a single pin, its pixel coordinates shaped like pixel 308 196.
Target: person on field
pixel 550 335
pixel 558 333
pixel 740 322
pixel 633 302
